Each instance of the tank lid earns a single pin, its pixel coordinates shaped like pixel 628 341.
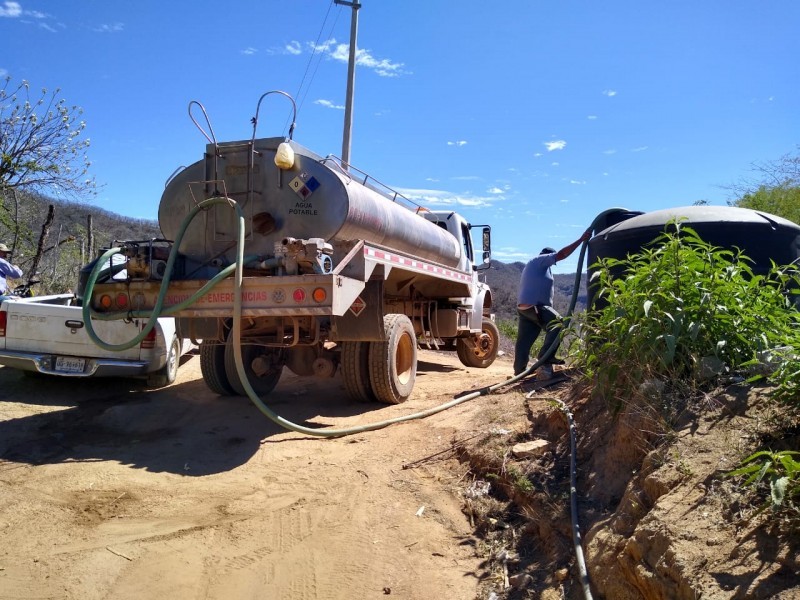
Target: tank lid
pixel 702 214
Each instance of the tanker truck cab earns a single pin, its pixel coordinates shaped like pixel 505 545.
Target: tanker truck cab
pixel 342 276
pixel 460 229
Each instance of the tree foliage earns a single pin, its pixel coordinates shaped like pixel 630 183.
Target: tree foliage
pixel 776 189
pixel 41 145
pixel 782 200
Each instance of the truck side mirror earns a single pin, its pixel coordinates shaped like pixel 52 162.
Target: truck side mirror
pixel 487 249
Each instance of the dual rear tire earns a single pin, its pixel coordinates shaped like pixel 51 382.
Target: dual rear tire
pixel 263 367
pixel 382 371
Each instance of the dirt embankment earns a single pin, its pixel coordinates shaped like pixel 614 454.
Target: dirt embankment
pixel 108 489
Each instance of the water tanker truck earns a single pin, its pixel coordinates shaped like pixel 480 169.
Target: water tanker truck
pixel 338 273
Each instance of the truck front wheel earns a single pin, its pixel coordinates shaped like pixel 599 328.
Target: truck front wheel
pixel 393 363
pixel 479 352
pixel 263 367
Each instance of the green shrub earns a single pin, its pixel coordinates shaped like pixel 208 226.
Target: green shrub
pixel 781 470
pixel 680 307
pixel 508 328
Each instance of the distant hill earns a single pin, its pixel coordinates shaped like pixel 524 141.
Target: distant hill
pixel 66 247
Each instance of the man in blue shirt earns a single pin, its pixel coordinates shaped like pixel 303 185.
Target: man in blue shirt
pixel 535 307
pixel 7 271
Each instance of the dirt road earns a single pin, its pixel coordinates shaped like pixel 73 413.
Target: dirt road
pixel 111 490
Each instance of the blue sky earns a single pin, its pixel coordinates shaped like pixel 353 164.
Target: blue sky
pixel 531 116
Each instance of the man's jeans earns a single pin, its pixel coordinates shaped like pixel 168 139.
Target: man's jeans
pixel 530 324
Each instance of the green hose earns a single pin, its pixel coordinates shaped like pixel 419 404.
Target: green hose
pixel 158 310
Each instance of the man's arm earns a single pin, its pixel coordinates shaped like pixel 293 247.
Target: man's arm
pixel 567 250
pixel 8 270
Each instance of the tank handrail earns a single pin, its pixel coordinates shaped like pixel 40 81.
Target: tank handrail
pixel 174 173
pixel 211 139
pixel 333 160
pixel 384 190
pixel 254 120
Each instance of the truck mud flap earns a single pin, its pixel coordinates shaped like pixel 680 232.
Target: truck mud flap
pixel 364 320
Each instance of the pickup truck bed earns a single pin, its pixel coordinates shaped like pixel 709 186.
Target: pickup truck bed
pixel 46 334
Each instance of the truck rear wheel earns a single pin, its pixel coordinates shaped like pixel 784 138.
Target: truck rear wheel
pixel 355 371
pixel 481 352
pixel 212 366
pixel 263 367
pixel 393 363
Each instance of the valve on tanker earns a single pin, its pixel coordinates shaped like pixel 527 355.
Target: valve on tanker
pixel 307 256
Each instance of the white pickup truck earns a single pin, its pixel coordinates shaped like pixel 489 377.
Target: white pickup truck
pixel 46 334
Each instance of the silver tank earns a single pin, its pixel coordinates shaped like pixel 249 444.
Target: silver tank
pixel 313 199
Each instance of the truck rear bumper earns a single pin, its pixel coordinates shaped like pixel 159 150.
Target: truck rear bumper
pixel 92 367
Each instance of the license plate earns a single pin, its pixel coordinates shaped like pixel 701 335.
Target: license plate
pixel 70 364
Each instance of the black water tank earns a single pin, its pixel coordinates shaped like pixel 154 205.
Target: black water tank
pixel 761 236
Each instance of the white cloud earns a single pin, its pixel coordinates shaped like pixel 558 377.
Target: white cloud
pixel 538 154
pixel 639 149
pixel 592 117
pixel 249 51
pixel 555 145
pixel 293 47
pixel 329 104
pixel 610 151
pixel 441 198
pixel 112 28
pixel 610 93
pixel 458 143
pixel 364 58
pixel 10 9
pixel 495 190
pixel 510 254
pixel 555 164
pixel 577 182
pixel 3 72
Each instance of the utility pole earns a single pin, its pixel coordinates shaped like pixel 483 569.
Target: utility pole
pixel 351 78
